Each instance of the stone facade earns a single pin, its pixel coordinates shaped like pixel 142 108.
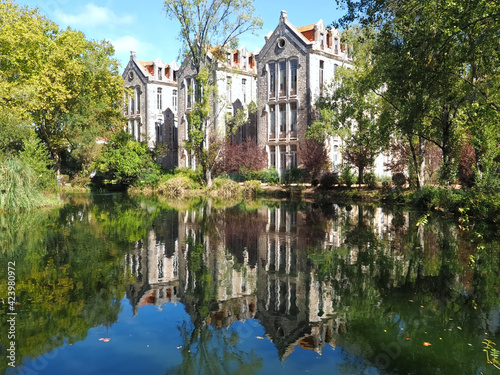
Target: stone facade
pixel 236 82
pixel 284 79
pixel 294 67
pixel 151 105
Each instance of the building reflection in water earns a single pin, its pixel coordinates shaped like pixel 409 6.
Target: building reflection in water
pixel 259 269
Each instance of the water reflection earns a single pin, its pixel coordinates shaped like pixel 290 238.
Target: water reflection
pixel 361 278
pixel 359 289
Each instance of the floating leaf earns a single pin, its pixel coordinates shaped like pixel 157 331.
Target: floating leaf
pixel 427 343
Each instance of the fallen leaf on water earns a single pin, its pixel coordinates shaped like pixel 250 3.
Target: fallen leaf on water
pixel 460 328
pixel 179 347
pixel 412 300
pixel 260 338
pixel 422 306
pixel 427 343
pixel 104 339
pixel 408 339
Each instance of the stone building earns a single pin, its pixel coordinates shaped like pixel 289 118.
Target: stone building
pixel 236 82
pixel 151 104
pixel 293 68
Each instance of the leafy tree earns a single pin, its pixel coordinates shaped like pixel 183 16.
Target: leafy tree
pixel 55 80
pixel 125 160
pixel 205 24
pixel 351 110
pixel 243 158
pixel 314 158
pixel 438 61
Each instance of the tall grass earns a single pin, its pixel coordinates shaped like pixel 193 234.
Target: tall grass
pixel 19 188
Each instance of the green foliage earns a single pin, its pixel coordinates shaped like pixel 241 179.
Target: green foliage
pixel 176 187
pixel 67 86
pixel 126 160
pixel 251 188
pixel 370 180
pixel 19 186
pixel 293 175
pixel 36 156
pixel 346 176
pixel 225 188
pixel 268 176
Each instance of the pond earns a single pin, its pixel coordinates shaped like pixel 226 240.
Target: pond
pixel 109 284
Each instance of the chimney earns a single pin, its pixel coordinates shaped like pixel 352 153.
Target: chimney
pixel 132 55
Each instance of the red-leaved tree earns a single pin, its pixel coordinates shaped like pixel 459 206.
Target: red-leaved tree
pixel 314 158
pixel 243 158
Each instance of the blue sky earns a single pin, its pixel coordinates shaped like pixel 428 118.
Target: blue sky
pixel 141 26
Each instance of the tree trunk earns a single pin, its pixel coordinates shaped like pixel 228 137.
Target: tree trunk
pixel 415 162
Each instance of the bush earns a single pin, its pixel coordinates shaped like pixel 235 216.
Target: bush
pixel 195 175
pixel 329 179
pixel 81 182
pixel 36 156
pixel 176 187
pixel 269 176
pixel 293 175
pixel 399 179
pixel 251 188
pixel 347 177
pixel 225 188
pixel 370 180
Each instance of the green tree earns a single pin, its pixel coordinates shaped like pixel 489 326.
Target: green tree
pixel 125 160
pixel 54 80
pixel 352 107
pixel 439 61
pixel 205 24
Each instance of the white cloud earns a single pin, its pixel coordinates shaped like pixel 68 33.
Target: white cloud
pixel 127 43
pixel 93 15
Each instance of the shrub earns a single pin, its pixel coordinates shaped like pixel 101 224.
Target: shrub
pixel 36 156
pixel 399 179
pixel 251 188
pixel 293 175
pixel 347 177
pixel 82 182
pixel 329 179
pixel 225 188
pixel 370 180
pixel 176 187
pixel 270 176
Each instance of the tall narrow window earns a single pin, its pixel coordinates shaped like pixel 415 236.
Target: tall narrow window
pixel 322 40
pixel 293 156
pixel 159 73
pixel 229 91
pixel 189 93
pixel 132 104
pixel 282 158
pixel 272 80
pixel 335 68
pixel 321 69
pixel 272 158
pixel 138 99
pixel 336 45
pixel 159 99
pixel 282 120
pixel 244 89
pixel 174 100
pixel 293 119
pixel 272 121
pixel 282 66
pixel 293 77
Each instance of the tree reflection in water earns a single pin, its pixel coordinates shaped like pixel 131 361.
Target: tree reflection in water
pixel 362 279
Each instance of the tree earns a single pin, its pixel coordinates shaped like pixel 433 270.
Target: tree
pixel 205 24
pixel 438 61
pixel 56 81
pixel 125 160
pixel 314 158
pixel 351 109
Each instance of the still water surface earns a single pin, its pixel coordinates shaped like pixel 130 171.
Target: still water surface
pixel 113 285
